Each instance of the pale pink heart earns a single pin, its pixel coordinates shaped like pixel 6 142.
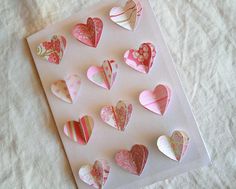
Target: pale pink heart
pixel 156 101
pixel 117 117
pixel 68 89
pixel 142 59
pixel 105 75
pixel 89 33
pixel 128 16
pixel 175 146
pixel 95 175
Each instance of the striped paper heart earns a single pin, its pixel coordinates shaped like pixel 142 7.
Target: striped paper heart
pixel 117 117
pixel 79 131
pixel 175 146
pixel 156 101
pixel 52 50
pixel 105 75
pixel 95 175
pixel 68 89
pixel 129 16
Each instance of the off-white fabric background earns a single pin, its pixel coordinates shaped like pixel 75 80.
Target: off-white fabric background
pixel 201 35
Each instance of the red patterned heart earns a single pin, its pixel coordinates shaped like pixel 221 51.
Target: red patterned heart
pixel 89 33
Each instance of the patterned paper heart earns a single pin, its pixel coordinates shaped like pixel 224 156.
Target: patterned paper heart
pixel 175 146
pixel 105 75
pixel 89 33
pixel 117 117
pixel 156 101
pixel 141 60
pixel 68 89
pixel 134 160
pixel 79 131
pixel 95 175
pixel 52 50
pixel 129 16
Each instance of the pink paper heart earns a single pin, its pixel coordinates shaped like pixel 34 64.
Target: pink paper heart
pixel 129 16
pixel 105 75
pixel 175 146
pixel 79 131
pixel 68 89
pixel 89 33
pixel 141 60
pixel 156 101
pixel 117 117
pixel 52 50
pixel 95 175
pixel 134 160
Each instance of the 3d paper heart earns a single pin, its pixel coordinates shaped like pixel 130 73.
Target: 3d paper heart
pixel 89 33
pixel 95 175
pixel 175 146
pixel 134 160
pixel 117 117
pixel 68 89
pixel 105 75
pixel 156 101
pixel 79 131
pixel 141 60
pixel 129 16
pixel 52 50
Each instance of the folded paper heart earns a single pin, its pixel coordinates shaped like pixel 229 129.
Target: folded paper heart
pixel 89 33
pixel 156 101
pixel 95 175
pixel 175 146
pixel 105 75
pixel 134 160
pixel 129 16
pixel 117 117
pixel 79 131
pixel 68 89
pixel 52 50
pixel 141 60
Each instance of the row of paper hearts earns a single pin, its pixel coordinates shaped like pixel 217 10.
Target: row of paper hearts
pixel 134 160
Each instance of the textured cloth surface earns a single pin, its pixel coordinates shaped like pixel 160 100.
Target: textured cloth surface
pixel 201 35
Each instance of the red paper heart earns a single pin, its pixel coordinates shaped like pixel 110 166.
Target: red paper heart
pixel 89 33
pixel 134 160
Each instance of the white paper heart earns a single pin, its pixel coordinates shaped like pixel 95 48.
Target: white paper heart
pixel 95 175
pixel 175 146
pixel 129 16
pixel 68 89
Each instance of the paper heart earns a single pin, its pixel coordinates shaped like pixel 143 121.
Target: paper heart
pixel 117 117
pixel 141 60
pixel 129 16
pixel 52 50
pixel 175 146
pixel 68 89
pixel 156 101
pixel 134 160
pixel 79 131
pixel 105 75
pixel 95 175
pixel 89 33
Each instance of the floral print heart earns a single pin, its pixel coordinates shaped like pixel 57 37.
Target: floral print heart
pixel 105 75
pixel 52 50
pixel 175 146
pixel 117 117
pixel 79 131
pixel 156 101
pixel 68 89
pixel 95 175
pixel 90 33
pixel 134 160
pixel 129 16
pixel 142 59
